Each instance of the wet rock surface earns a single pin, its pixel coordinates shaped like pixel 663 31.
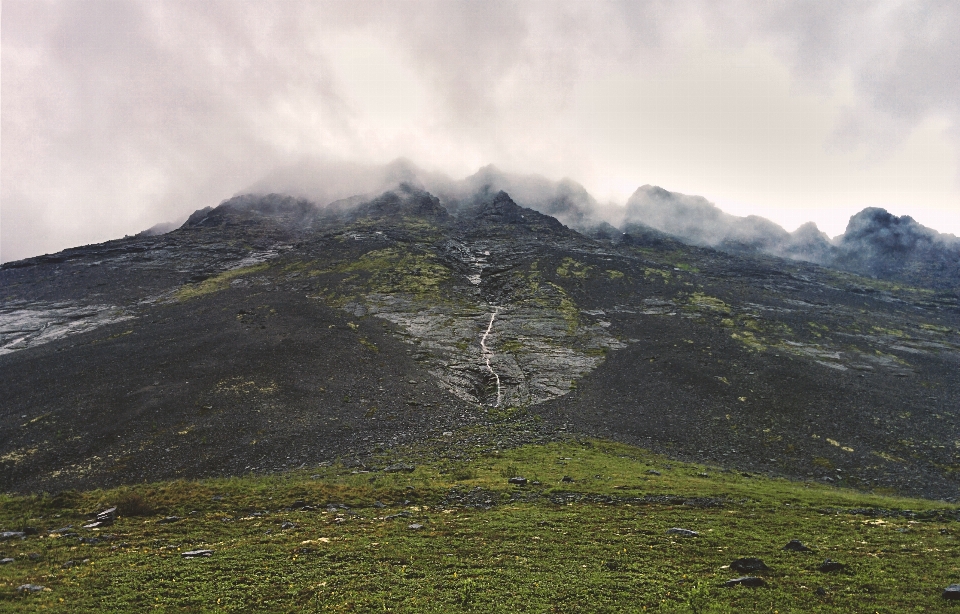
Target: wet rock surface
pixel 267 334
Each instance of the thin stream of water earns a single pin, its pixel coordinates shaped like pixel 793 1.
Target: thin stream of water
pixel 487 354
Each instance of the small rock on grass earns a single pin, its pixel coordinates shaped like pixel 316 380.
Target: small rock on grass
pixel 519 481
pixel 750 581
pixel 288 525
pixel 415 527
pixel 169 520
pixel 952 592
pixel 795 545
pixel 682 532
pixel 399 468
pixel 11 534
pixel 748 565
pixel 831 565
pixel 192 554
pixel 6 561
pixel 31 588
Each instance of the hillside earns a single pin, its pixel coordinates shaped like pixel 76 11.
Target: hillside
pixel 268 334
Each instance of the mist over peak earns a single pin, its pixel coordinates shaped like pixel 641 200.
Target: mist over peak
pixel 320 191
pixel 698 221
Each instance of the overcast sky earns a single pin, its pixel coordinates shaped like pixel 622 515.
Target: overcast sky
pixel 116 115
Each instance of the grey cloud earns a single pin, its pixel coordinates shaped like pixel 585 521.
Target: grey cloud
pixel 117 115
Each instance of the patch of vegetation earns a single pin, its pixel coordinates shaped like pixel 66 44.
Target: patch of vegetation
pixel 393 270
pixel 511 346
pixel 704 301
pixel 369 345
pixel 748 339
pixel 650 272
pixel 591 535
pixel 614 274
pixel 217 282
pixel 572 268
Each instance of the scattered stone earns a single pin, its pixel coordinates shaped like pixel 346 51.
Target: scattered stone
pixel 566 479
pixel 108 515
pixel 653 472
pixel 795 545
pixel 192 554
pixel 11 535
pixel 378 505
pixel 30 530
pixel 399 468
pixel 751 581
pixel 68 564
pixel 6 561
pixel 831 565
pixel 169 520
pixel 415 527
pixel 820 592
pixel 30 588
pixel 62 530
pixel 519 481
pixel 682 532
pixel 288 525
pixel 400 515
pixel 951 592
pixel 93 525
pixel 749 565
pixel 33 556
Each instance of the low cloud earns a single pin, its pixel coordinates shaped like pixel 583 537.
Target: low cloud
pixel 120 115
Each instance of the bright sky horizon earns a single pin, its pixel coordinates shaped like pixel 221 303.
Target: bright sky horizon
pixel 116 116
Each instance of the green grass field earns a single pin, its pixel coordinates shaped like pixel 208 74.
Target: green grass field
pixel 598 543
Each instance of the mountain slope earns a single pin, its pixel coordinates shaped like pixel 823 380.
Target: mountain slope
pixel 270 333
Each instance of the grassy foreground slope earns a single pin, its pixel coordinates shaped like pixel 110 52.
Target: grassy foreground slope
pixel 449 537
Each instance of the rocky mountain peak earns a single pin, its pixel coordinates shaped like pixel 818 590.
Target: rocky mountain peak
pixel 406 200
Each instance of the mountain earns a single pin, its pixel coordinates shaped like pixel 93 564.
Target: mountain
pixel 275 331
pixel 875 243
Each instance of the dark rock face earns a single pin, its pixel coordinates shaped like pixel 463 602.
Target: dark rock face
pixel 268 334
pixel 890 247
pixel 405 201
